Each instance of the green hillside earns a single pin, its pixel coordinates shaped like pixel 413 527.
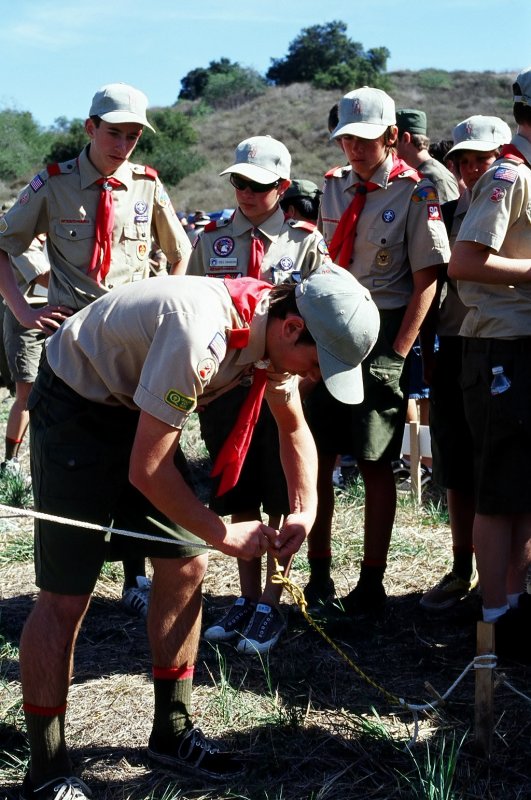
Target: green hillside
pixel 297 115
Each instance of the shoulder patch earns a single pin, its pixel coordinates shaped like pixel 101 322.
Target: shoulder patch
pixel 425 194
pixel 505 174
pixel 180 401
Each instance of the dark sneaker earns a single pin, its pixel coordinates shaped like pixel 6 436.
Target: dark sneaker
pixel 135 599
pixel 363 600
pixel 56 789
pixel 449 591
pixel 401 470
pixel 233 623
pixel 263 631
pixel 318 593
pixel 194 753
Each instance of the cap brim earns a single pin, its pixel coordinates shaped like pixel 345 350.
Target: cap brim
pixel 365 130
pixel 254 173
pixel 118 117
pixel 343 381
pixel 474 144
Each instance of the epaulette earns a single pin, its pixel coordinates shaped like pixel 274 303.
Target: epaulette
pixel 214 224
pixel 306 225
pixel 337 172
pixel 413 175
pixel 63 168
pixel 149 172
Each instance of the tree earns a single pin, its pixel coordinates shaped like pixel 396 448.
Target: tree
pixel 171 150
pixel 23 145
pixel 325 56
pixel 69 140
pixel 231 89
pixel 194 83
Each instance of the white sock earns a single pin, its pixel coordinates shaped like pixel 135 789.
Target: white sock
pixel 513 599
pixel 492 614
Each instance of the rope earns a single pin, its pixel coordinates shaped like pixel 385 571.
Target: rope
pixel 92 526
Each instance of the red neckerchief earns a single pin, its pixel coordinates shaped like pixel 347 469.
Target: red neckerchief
pixel 513 153
pixel 341 246
pixel 245 293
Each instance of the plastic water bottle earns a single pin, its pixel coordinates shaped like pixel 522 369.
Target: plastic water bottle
pixel 500 381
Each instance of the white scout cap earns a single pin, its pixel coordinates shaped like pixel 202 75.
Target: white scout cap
pixel 344 321
pixel 480 133
pixel 261 159
pixel 366 113
pixel 524 82
pixel 119 102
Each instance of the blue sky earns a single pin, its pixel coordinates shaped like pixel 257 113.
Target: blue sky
pixel 56 54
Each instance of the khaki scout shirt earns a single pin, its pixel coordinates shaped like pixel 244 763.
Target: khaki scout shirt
pixel 500 218
pixel 292 248
pixel 160 346
pixel 29 266
pixel 64 206
pixel 399 231
pixel 442 179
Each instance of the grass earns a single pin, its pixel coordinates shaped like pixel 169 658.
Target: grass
pixel 313 728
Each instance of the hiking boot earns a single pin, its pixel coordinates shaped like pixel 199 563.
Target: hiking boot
pixel 263 631
pixel 135 599
pixel 233 623
pixel 364 600
pixel 193 752
pixel 318 593
pixel 449 591
pixel 55 789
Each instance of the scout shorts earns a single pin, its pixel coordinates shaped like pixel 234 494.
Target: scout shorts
pixel 500 424
pixel 374 429
pixel 23 349
pixel 80 454
pixel 261 483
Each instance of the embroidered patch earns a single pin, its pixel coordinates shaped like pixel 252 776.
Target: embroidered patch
pixel 163 199
pixel 388 215
pixel 424 194
pixel 383 258
pixel 223 246
pixel 285 263
pixel 205 368
pixel 218 346
pixel 505 174
pixel 179 401
pixel 434 211
pixel 141 207
pixel 37 183
pixel 497 195
pixel 222 263
pixel 141 218
pixel 323 247
pixel 141 250
pixel 24 198
pixel 3 225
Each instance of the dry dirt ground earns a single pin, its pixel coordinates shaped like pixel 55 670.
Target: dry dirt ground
pixel 313 728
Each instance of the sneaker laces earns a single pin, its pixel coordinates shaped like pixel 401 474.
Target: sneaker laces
pixel 68 789
pixel 195 738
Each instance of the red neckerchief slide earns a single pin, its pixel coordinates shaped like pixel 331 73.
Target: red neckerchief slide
pixel 245 293
pixel 342 245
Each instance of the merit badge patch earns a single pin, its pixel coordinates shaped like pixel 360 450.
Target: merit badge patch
pixel 497 195
pixel 388 215
pixel 37 183
pixel 218 347
pixel 223 246
pixel 505 174
pixel 434 211
pixel 179 401
pixel 205 368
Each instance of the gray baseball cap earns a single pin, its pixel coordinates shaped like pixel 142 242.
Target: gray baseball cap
pixel 261 159
pixel 366 113
pixel 344 321
pixel 119 102
pixel 480 133
pixel 524 82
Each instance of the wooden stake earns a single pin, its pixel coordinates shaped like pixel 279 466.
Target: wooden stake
pixel 484 708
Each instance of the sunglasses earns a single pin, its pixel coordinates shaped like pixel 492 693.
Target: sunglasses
pixel 242 183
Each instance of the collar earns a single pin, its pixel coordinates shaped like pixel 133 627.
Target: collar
pixel 89 174
pixel 271 227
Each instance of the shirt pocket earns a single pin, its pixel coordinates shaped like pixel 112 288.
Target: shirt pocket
pixel 137 243
pixel 387 244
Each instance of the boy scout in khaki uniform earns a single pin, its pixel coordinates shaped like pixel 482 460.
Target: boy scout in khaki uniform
pixel 290 250
pixel 491 260
pixel 74 203
pixel 122 376
pixel 383 224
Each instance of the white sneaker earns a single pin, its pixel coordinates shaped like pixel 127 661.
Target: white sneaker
pixel 135 599
pixel 11 466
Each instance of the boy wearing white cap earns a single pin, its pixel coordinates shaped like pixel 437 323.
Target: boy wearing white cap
pixel 491 260
pixel 383 224
pixel 477 143
pixel 121 378
pixel 100 213
pixel 258 241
